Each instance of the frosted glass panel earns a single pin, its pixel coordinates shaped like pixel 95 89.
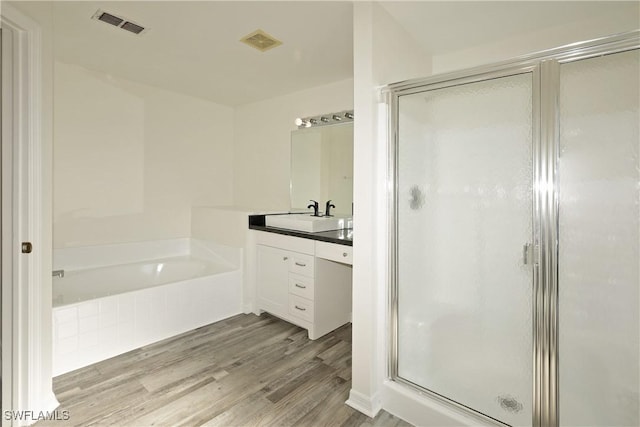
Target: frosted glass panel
pixel 464 214
pixel 598 241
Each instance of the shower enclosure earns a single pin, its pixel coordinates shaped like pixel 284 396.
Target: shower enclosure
pixel 515 240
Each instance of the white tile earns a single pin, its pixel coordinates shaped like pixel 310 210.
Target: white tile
pixel 88 308
pixel 127 334
pixel 67 345
pixel 142 310
pixel 107 319
pixel 108 336
pixel 108 305
pixel 86 341
pixel 67 329
pixel 126 309
pixel 157 300
pixel 92 354
pixel 88 324
pixel 65 314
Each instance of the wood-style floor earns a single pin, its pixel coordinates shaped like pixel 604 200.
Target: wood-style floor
pixel 243 371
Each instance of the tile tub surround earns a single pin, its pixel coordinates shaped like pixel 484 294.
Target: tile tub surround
pixel 97 329
pixel 340 237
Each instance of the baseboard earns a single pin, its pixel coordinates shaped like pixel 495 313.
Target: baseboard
pixel 368 405
pixel 46 410
pixel 248 308
pixel 50 402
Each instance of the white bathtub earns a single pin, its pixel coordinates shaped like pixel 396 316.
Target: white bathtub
pixel 93 283
pixel 170 287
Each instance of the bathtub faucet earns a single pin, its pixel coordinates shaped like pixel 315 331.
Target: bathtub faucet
pixel 58 273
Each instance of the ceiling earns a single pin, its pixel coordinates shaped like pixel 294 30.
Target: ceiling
pixel 447 26
pixel 193 47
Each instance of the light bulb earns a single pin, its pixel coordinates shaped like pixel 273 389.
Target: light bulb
pixel 299 121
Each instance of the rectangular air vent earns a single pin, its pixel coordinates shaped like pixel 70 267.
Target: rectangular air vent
pixel 110 19
pixel 118 21
pixel 134 28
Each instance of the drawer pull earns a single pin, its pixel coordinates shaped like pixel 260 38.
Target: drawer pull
pixel 344 254
pixel 300 286
pixel 299 264
pixel 300 308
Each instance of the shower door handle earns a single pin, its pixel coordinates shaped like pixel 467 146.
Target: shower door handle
pixel 526 250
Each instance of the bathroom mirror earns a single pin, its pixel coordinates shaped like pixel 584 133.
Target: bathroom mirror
pixel 322 167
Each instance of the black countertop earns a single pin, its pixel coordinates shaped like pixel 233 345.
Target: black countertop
pixel 341 237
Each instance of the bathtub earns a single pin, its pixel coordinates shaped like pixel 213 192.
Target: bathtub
pixel 116 298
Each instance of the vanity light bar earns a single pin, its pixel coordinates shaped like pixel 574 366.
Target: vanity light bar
pixel 325 119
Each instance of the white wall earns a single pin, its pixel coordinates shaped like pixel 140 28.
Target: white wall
pixel 262 160
pixel 131 160
pixel 383 53
pixel 617 20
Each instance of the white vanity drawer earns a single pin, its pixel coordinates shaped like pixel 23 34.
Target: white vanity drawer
pixel 301 264
pixel 335 252
pixel 301 286
pixel 301 307
pixel 289 243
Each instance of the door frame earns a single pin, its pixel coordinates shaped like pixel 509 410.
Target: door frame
pixel 26 313
pixel 6 252
pixel 531 68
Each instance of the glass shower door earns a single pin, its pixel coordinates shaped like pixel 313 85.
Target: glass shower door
pixel 599 236
pixel 464 220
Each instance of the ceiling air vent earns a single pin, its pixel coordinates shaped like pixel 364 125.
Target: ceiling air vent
pixel 261 40
pixel 134 28
pixel 119 22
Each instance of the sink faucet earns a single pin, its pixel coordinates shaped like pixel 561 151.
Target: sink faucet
pixel 314 205
pixel 328 208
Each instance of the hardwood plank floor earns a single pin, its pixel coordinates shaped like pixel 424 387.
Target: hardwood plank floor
pixel 242 371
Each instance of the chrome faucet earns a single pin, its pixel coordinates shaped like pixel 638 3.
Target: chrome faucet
pixel 314 205
pixel 58 273
pixel 328 208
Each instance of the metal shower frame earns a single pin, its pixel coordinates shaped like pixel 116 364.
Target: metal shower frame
pixel 545 71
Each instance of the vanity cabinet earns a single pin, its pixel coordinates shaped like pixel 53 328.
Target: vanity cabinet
pixel 297 285
pixel 278 270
